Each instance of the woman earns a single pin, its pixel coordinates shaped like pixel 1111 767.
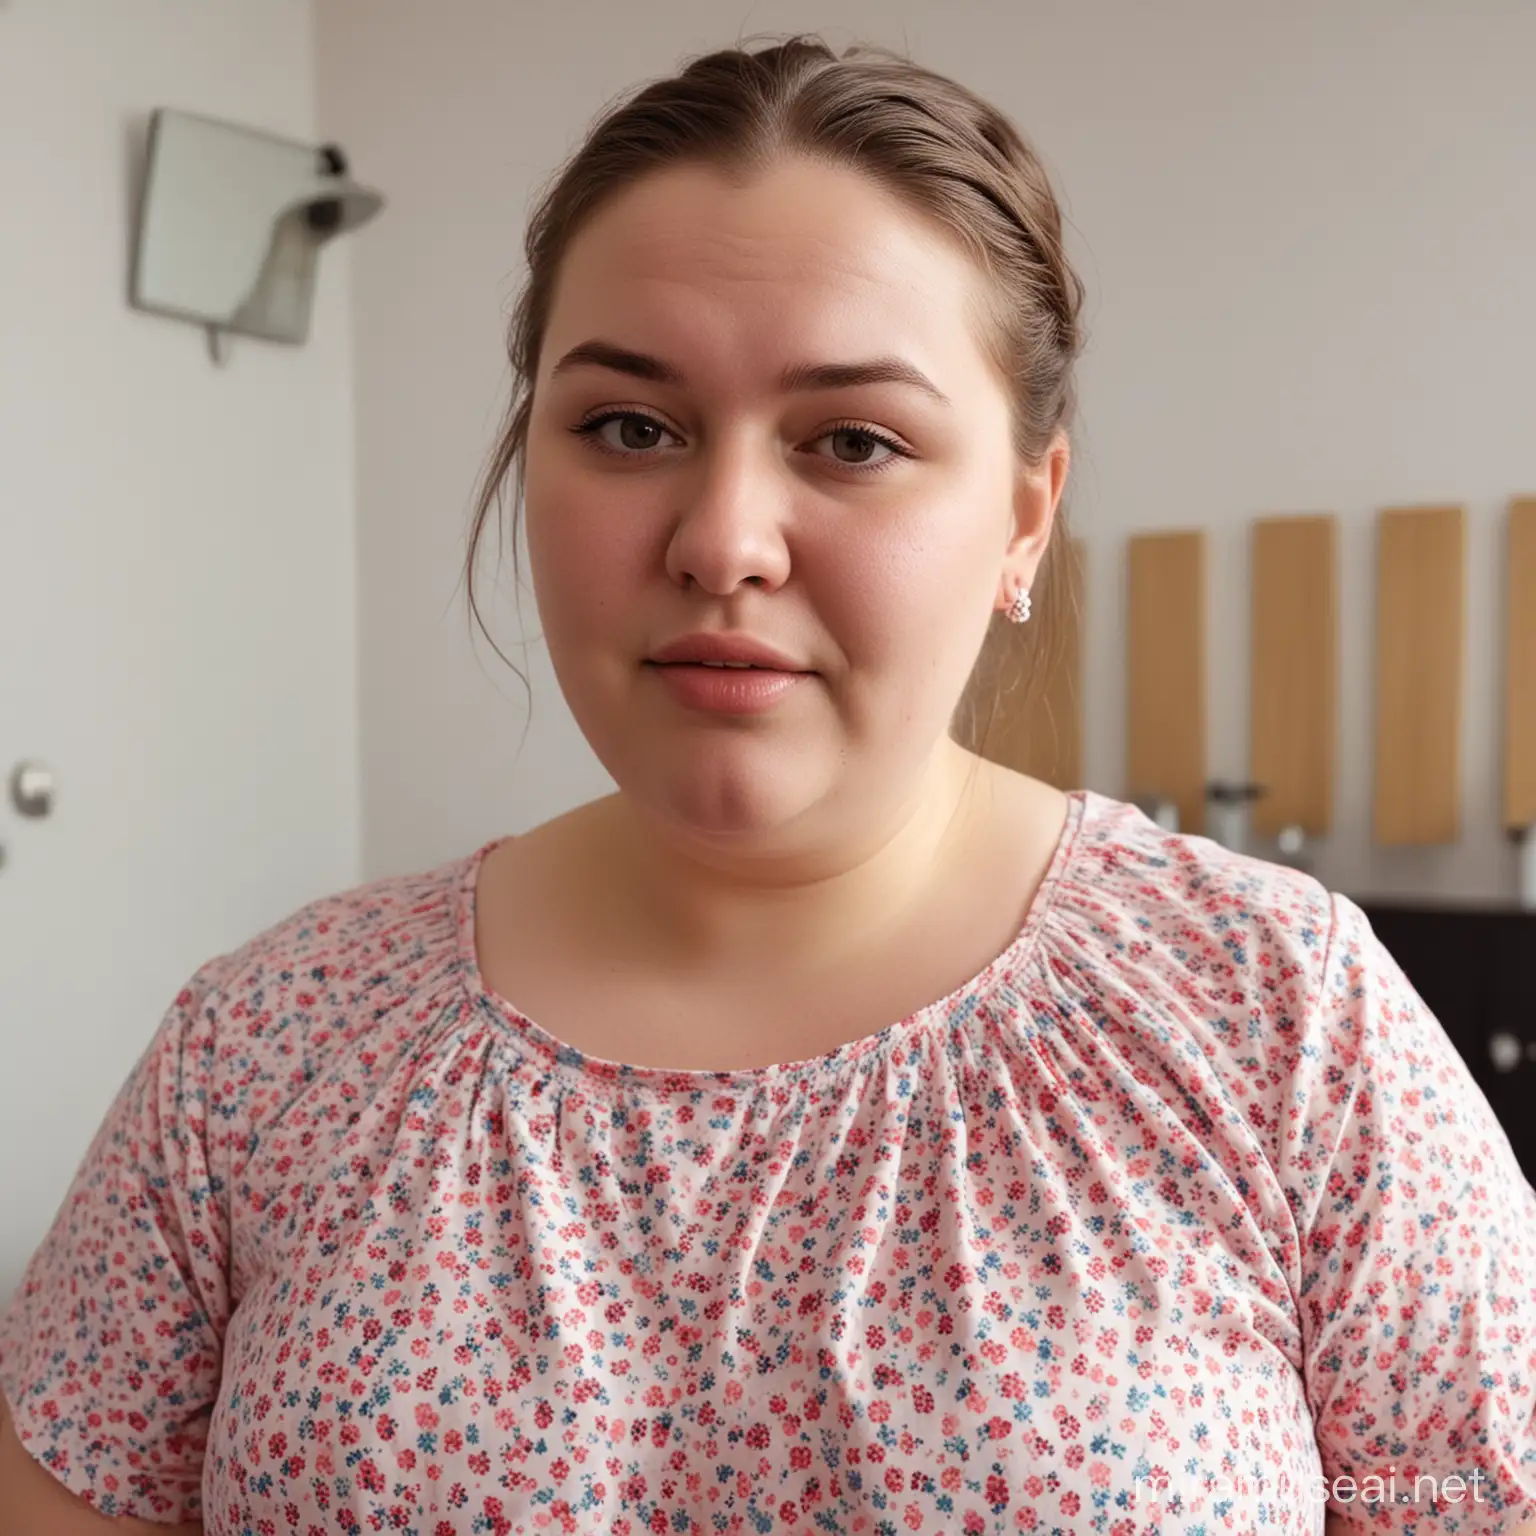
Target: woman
pixel 829 1131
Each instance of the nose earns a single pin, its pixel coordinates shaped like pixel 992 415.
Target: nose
pixel 731 527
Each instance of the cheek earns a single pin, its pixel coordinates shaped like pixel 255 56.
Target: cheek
pixel 587 553
pixel 918 584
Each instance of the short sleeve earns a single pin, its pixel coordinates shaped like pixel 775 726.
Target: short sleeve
pixel 1417 1265
pixel 110 1349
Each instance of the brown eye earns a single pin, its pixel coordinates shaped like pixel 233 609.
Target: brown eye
pixel 860 445
pixel 862 448
pixel 635 433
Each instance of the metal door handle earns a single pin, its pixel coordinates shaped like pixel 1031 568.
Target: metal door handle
pixel 32 788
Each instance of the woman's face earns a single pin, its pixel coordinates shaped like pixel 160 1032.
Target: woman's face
pixel 863 526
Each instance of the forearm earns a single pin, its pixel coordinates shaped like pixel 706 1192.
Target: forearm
pixel 34 1503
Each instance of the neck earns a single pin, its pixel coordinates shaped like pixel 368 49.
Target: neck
pixel 696 909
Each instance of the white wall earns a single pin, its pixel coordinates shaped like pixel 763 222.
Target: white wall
pixel 177 574
pixel 1307 230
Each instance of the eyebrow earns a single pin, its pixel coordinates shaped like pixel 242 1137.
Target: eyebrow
pixel 799 376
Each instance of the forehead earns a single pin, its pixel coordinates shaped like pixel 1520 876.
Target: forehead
pixel 800 256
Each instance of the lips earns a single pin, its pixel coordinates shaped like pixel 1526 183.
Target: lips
pixel 710 690
pixel 723 666
pixel 725 648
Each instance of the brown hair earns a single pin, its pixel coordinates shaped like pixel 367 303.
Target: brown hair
pixel 938 147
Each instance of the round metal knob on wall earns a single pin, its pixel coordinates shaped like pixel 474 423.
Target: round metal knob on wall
pixel 1505 1051
pixel 32 788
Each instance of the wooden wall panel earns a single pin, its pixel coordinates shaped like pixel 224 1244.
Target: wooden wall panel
pixel 1038 728
pixel 1520 667
pixel 1165 671
pixel 1293 672
pixel 1420 628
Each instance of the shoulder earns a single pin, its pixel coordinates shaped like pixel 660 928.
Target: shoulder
pixel 1148 867
pixel 349 977
pixel 1208 911
pixel 1191 951
pixel 1196 974
pixel 353 942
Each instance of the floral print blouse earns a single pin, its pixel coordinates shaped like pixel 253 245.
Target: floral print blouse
pixel 1182 1216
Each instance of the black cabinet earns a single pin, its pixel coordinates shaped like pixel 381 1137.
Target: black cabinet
pixel 1476 970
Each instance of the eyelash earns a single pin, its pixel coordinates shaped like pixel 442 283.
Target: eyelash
pixel 589 429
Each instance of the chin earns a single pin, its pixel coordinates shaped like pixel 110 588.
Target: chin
pixel 726 792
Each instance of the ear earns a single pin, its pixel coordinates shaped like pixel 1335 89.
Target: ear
pixel 1037 494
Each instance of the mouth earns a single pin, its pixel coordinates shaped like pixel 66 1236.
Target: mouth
pixel 725 650
pixel 729 666
pixel 720 688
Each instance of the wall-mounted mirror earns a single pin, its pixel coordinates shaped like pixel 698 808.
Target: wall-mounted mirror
pixel 231 223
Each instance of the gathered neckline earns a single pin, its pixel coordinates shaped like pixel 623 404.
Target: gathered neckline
pixel 566 1060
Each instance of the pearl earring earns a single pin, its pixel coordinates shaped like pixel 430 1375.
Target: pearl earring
pixel 1019 609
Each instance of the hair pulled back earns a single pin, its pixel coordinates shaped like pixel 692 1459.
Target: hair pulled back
pixel 947 153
